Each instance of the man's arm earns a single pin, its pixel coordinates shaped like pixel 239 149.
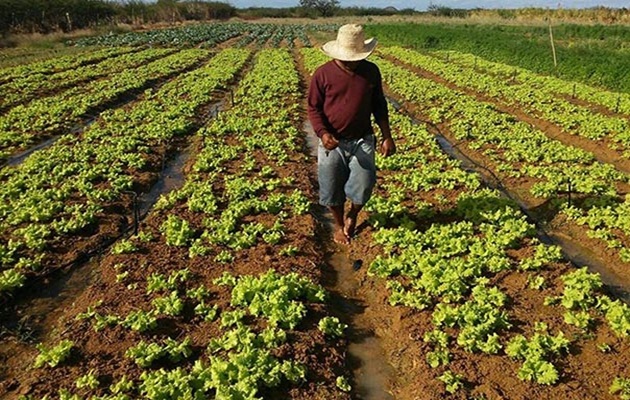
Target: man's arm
pixel 381 115
pixel 316 97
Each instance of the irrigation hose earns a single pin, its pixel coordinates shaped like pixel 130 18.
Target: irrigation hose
pixel 499 183
pixel 4 297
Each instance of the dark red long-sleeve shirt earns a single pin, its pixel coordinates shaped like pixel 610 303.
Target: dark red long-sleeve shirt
pixel 341 102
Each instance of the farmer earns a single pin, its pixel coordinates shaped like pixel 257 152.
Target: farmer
pixel 343 95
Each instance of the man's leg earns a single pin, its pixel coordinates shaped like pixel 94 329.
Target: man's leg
pixel 350 221
pixel 361 181
pixel 332 174
pixel 340 235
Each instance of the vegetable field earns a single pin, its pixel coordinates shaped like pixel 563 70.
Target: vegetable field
pixel 160 236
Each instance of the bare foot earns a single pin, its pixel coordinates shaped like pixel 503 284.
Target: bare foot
pixel 340 237
pixel 349 226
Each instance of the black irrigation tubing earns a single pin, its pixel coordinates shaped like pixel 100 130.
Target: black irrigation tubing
pixel 499 183
pixel 544 235
pixel 136 210
pixel 98 251
pixel 4 298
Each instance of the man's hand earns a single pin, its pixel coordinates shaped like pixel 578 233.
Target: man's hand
pixel 388 147
pixel 329 141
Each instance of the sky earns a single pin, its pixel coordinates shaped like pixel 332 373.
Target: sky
pixel 421 5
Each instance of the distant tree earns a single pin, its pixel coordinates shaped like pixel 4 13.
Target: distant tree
pixel 438 10
pixel 325 7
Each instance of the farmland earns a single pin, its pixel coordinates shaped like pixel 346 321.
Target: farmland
pixel 160 238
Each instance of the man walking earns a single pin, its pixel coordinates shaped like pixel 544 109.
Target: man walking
pixel 344 93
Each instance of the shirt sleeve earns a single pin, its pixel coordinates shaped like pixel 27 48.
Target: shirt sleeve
pixel 316 97
pixel 379 103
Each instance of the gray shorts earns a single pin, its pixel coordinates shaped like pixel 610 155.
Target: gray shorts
pixel 347 171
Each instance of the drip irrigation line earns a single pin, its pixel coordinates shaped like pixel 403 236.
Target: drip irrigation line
pixel 98 251
pixel 499 183
pixel 136 211
pixel 543 233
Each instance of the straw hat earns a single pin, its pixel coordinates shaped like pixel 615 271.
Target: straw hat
pixel 350 44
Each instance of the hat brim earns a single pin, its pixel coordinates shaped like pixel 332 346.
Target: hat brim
pixel 332 49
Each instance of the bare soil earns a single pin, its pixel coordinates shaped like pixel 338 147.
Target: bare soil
pixel 586 373
pixel 117 216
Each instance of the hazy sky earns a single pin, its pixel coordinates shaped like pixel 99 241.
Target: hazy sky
pixel 422 4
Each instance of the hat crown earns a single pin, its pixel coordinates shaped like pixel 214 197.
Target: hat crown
pixel 351 37
pixel 350 44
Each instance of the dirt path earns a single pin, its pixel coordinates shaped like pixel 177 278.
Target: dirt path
pixel 344 277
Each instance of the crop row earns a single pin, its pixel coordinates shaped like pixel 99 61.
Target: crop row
pixel 61 193
pixel 24 89
pixel 32 122
pixel 572 118
pixel 192 297
pixel 11 57
pixel 516 149
pixel 455 272
pixel 183 36
pixel 617 102
pixel 206 34
pixel 58 64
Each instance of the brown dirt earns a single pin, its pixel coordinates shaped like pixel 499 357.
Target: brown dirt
pixel 594 107
pixel 126 99
pixel 62 88
pixel 228 43
pixel 400 331
pixel 586 373
pixel 114 221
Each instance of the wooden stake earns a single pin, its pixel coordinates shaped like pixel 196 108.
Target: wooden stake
pixel 553 47
pixel 69 20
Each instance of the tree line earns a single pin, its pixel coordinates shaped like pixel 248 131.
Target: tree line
pixel 44 16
